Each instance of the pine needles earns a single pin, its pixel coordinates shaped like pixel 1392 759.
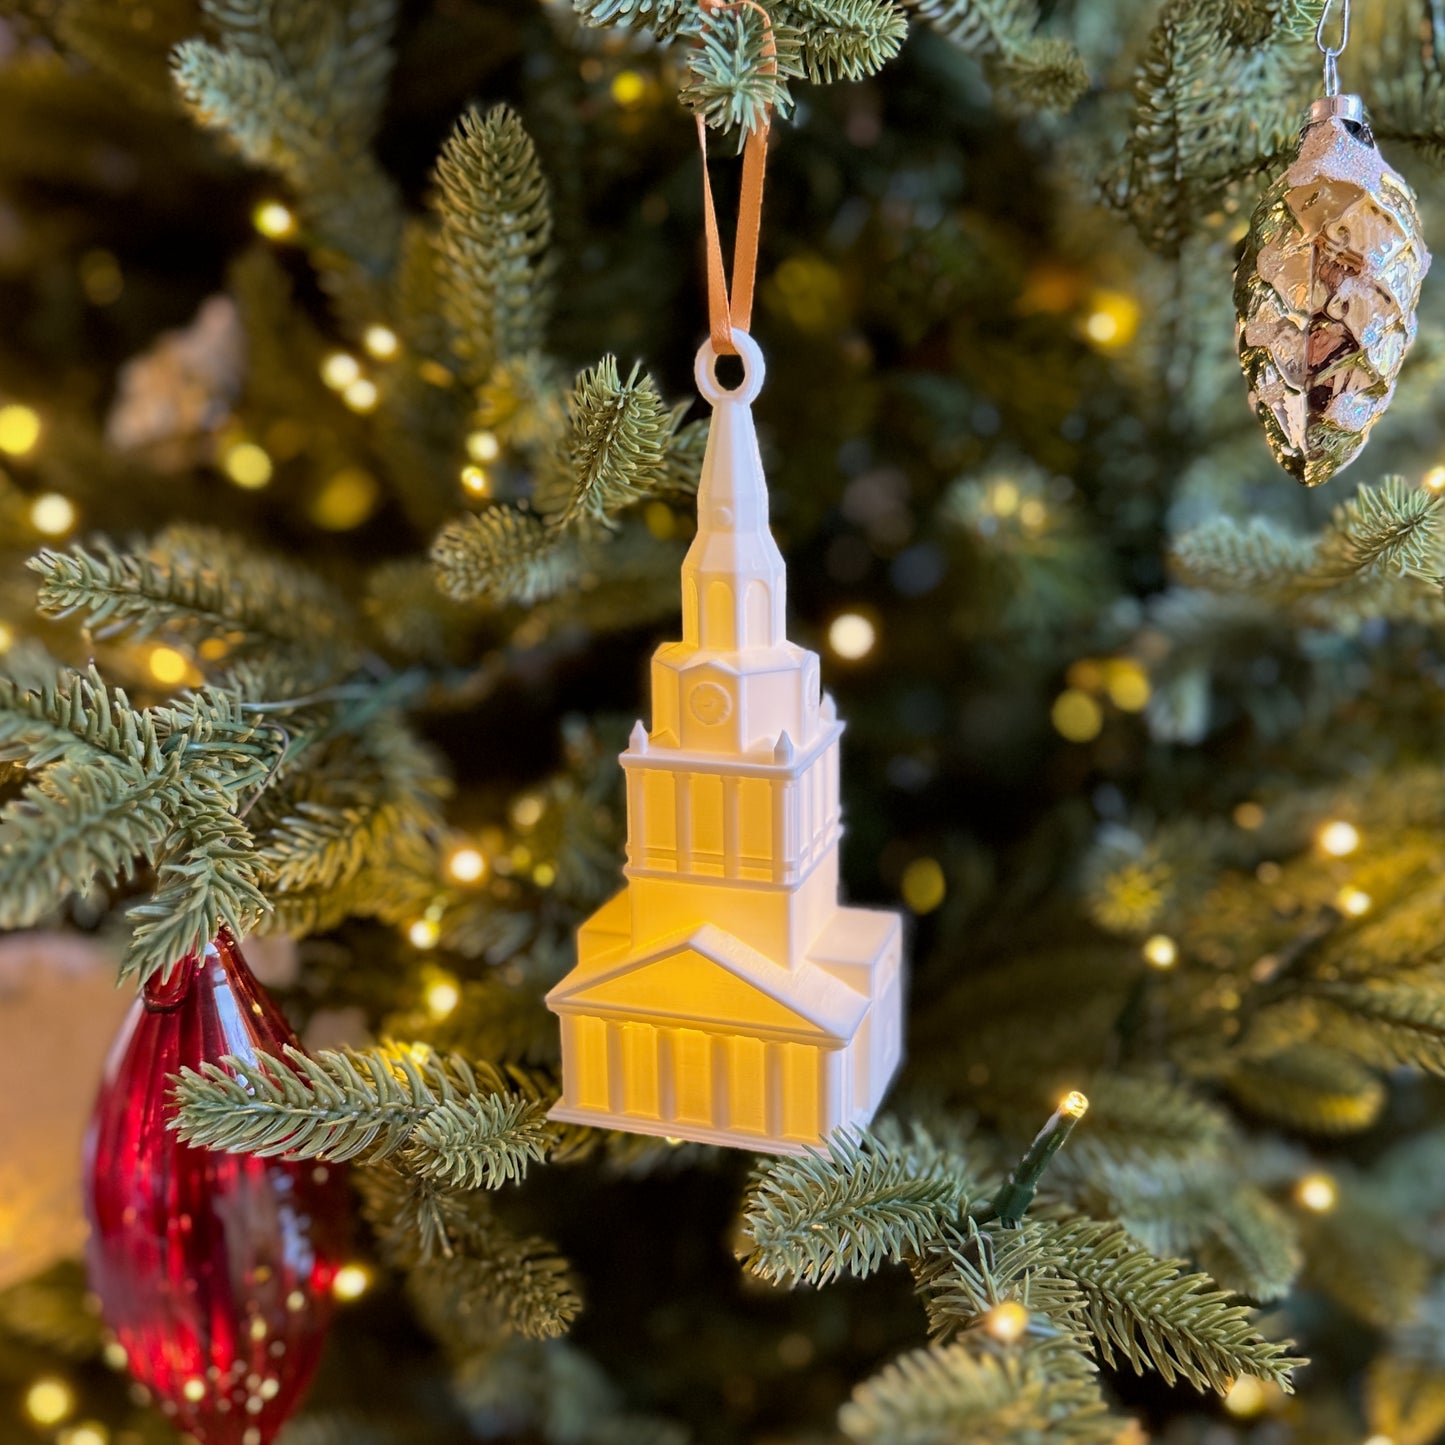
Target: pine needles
pixel 494 241
pixel 342 1105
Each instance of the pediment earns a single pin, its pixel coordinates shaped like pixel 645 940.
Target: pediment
pixel 686 985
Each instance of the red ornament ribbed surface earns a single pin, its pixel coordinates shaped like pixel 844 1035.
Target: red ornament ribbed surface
pixel 214 1270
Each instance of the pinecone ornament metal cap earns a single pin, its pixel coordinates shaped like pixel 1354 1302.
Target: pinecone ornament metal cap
pixel 1326 293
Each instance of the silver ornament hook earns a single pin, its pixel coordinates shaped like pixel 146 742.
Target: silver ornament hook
pixel 1332 53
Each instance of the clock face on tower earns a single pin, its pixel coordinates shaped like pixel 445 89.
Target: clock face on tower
pixel 709 703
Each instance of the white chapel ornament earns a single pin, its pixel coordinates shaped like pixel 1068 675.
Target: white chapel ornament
pixel 725 995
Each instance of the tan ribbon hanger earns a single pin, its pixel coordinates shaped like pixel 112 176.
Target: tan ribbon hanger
pixel 725 310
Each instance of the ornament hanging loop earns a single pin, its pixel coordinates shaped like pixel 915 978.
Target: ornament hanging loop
pixel 1332 53
pixel 730 308
pixel 705 371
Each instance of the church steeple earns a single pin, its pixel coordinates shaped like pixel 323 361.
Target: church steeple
pixel 734 584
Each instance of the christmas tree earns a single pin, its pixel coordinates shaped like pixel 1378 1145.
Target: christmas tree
pixel 350 450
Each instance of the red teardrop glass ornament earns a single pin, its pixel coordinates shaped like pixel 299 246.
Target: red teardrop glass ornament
pixel 214 1270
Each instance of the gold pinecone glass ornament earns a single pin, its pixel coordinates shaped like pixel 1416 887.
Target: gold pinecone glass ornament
pixel 1326 293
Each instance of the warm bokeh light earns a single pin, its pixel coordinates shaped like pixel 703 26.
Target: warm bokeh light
pixel 88 1432
pixel 442 997
pixel 19 429
pixel 1076 716
pixel 167 665
pixel 361 395
pixel 1435 479
pixel 52 515
pixel 351 1282
pixel 628 88
pixel 7 637
pixel 1160 951
pixel 1249 816
pixel 49 1401
pixel 1074 1104
pixel 544 875
pixel 1339 839
pixel 247 465
pixel 526 810
pixel 1007 1322
pixel 851 636
pixel 924 886
pixel 1245 1397
pixel 381 342
pixel 1354 901
pixel 346 501
pixel 476 480
pixel 274 221
pixel 467 865
pixel 1112 321
pixel 1127 685
pixel 483 446
pixel 339 369
pixel 424 933
pixel 1317 1192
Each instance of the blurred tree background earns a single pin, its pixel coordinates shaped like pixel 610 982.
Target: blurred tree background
pixel 323 443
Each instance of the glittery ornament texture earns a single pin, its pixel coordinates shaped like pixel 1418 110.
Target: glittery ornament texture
pixel 1326 293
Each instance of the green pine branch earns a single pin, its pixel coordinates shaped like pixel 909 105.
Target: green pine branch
pixel 500 554
pixel 846 39
pixel 1386 1023
pixel 1310 1088
pixel 1148 1313
pixel 446 1123
pixel 1045 1390
pixel 734 78
pixel 494 241
pixel 862 1204
pixel 966 1273
pixel 620 435
pixel 1045 71
pixel 299 89
pixel 266 601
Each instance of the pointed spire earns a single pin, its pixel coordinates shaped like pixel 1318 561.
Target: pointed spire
pixel 637 741
pixel 784 752
pixel 734 552
pixel 828 709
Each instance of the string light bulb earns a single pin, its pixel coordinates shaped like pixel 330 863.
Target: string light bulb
pixel 1245 1397
pixel 274 220
pixel 1007 1322
pixel 381 342
pixel 851 636
pixel 467 865
pixel 483 446
pixel 1434 480
pixel 1338 838
pixel 476 480
pixel 1076 717
pixel 424 933
pixel 48 1401
pixel 1074 1104
pixel 19 429
pixel 247 465
pixel 1317 1192
pixel 339 369
pixel 52 515
pixel 361 395
pixel 1354 902
pixel 442 996
pixel 167 665
pixel 351 1282
pixel 88 1432
pixel 1160 952
pixel 924 885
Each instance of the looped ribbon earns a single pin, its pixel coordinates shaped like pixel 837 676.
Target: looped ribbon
pixel 732 307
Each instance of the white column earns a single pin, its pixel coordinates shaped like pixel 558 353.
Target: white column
pixel 732 795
